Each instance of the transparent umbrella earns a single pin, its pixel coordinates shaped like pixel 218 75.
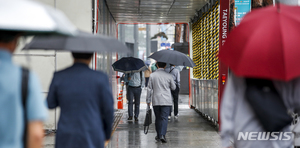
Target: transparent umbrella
pixel 33 18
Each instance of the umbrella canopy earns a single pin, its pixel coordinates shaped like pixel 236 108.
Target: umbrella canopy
pixel 172 57
pixel 82 42
pixel 33 18
pixel 129 65
pixel 265 44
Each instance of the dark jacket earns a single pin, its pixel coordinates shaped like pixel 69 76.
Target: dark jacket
pixel 85 99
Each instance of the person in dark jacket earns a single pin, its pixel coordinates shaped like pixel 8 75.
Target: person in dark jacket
pixel 86 102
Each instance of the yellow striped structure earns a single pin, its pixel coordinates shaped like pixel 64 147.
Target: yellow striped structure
pixel 206 44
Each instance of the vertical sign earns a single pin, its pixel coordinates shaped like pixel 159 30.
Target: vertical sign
pixel 224 21
pixel 242 8
pixel 223 32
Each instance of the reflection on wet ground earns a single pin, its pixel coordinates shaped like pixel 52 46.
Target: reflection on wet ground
pixel 190 130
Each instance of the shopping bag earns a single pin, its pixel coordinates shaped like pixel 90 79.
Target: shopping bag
pixel 148 120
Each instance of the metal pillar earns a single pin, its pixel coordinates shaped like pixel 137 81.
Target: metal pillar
pixel 121 35
pixel 136 40
pixel 148 41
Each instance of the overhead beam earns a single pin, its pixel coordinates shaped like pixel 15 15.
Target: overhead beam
pixel 171 7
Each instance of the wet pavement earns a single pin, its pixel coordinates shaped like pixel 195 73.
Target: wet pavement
pixel 190 130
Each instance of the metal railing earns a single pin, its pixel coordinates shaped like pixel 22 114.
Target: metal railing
pixel 205 98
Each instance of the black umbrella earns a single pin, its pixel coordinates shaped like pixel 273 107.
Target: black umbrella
pixel 172 57
pixel 82 42
pixel 129 65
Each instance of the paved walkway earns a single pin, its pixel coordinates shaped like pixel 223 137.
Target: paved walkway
pixel 190 130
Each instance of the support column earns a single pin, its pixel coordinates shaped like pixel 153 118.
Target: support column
pixel 148 41
pixel 177 33
pixel 122 33
pixel 136 40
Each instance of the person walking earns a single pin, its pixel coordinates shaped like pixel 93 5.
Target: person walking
pixel 238 117
pixel 175 93
pixel 159 93
pixel 135 82
pixel 13 119
pixel 147 74
pixel 86 102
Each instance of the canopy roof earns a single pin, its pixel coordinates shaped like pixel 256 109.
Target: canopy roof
pixel 154 11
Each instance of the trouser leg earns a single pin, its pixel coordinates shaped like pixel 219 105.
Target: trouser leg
pixel 171 108
pixel 175 95
pixel 130 101
pixel 164 112
pixel 156 110
pixel 137 98
pixel 146 82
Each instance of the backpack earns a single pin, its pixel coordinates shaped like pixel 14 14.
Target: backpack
pixel 267 104
pixel 25 78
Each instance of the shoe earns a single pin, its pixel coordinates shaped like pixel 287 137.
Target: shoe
pixel 129 118
pixel 169 117
pixel 163 139
pixel 156 138
pixel 136 118
pixel 176 116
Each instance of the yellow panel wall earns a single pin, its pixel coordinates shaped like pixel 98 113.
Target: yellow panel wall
pixel 206 44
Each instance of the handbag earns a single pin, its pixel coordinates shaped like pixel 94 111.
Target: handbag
pixel 148 120
pixel 267 104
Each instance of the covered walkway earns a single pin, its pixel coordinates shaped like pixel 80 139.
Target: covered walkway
pixel 190 130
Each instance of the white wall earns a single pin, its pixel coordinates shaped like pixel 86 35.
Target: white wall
pixel 43 62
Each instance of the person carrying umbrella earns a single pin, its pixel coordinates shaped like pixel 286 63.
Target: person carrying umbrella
pixel 174 58
pixel 136 81
pixel 22 104
pixel 23 109
pixel 159 93
pixel 262 89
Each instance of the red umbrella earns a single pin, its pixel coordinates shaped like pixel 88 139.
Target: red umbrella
pixel 266 44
